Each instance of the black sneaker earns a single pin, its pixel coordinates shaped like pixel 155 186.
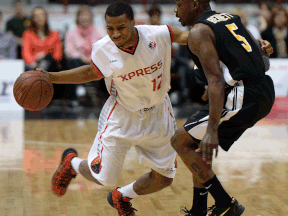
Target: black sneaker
pixel 185 211
pixel 235 209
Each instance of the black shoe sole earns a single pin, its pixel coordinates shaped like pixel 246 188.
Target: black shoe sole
pixel 240 210
pixel 68 151
pixel 109 198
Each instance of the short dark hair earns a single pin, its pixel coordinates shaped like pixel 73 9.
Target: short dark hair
pixel 154 9
pixel 119 8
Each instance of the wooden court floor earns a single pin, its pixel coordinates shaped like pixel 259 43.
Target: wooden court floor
pixel 255 171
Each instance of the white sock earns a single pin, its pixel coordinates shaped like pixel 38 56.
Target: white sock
pixel 75 163
pixel 128 191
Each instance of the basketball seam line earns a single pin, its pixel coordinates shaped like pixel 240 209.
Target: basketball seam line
pixel 23 81
pixel 28 92
pixel 40 93
pixel 49 86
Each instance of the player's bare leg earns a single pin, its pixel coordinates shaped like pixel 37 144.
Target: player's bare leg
pixel 185 146
pixel 85 172
pixel 151 182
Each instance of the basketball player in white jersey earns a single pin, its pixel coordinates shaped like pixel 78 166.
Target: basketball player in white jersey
pixel 135 63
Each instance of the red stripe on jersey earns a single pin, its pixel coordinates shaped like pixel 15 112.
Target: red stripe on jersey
pixel 132 49
pixel 101 155
pixel 111 86
pixel 107 120
pixel 96 69
pixel 170 113
pixel 171 33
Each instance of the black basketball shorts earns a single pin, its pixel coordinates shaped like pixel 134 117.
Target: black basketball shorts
pixel 245 104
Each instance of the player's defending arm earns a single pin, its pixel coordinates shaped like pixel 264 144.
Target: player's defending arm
pixel 78 75
pixel 201 41
pixel 180 36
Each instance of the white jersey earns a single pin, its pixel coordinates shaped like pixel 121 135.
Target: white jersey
pixel 138 78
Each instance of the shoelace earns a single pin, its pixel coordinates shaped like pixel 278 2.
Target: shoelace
pixel 211 210
pixel 66 178
pixel 126 208
pixel 184 210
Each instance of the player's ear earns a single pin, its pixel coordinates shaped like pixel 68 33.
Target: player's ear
pixel 133 22
pixel 194 4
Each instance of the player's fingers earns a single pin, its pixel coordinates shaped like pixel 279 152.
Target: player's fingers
pixel 204 152
pixel 217 148
pixel 209 155
pixel 205 95
pixel 199 148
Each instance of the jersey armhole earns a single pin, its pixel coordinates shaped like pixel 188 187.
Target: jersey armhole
pixel 96 70
pixel 171 33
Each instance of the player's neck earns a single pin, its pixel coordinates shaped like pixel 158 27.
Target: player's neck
pixel 205 10
pixel 133 39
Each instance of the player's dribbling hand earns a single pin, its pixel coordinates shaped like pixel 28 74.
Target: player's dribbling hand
pixel 207 145
pixel 42 71
pixel 266 47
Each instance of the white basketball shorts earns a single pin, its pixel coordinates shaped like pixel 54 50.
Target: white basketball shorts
pixel 149 130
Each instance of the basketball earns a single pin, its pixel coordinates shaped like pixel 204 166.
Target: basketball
pixel 33 90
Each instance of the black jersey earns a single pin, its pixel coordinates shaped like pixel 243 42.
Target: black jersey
pixel 235 47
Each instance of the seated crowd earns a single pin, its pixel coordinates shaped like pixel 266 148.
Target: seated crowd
pixel 31 39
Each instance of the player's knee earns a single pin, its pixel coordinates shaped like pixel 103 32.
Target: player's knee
pixel 107 181
pixel 167 181
pixel 175 141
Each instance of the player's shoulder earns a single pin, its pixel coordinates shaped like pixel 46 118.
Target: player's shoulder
pixel 104 47
pixel 103 42
pixel 200 31
pixel 151 28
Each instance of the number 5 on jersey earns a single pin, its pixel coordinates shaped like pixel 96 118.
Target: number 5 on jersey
pixel 154 81
pixel 232 27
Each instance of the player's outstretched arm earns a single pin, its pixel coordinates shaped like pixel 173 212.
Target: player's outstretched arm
pixel 78 75
pixel 180 36
pixel 201 41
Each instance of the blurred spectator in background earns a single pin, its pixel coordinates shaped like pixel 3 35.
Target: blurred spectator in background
pixel 264 14
pixel 254 31
pixel 18 24
pixel 79 41
pixel 277 33
pixel 78 48
pixel 7 43
pixel 154 13
pixel 42 48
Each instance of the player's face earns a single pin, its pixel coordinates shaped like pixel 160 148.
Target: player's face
pixel 185 12
pixel 119 29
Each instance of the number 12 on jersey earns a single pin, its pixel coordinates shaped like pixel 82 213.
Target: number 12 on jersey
pixel 232 27
pixel 154 81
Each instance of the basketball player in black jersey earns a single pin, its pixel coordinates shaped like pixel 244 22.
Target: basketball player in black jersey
pixel 237 99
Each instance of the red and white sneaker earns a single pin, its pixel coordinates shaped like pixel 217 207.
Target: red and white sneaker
pixel 122 204
pixel 63 175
